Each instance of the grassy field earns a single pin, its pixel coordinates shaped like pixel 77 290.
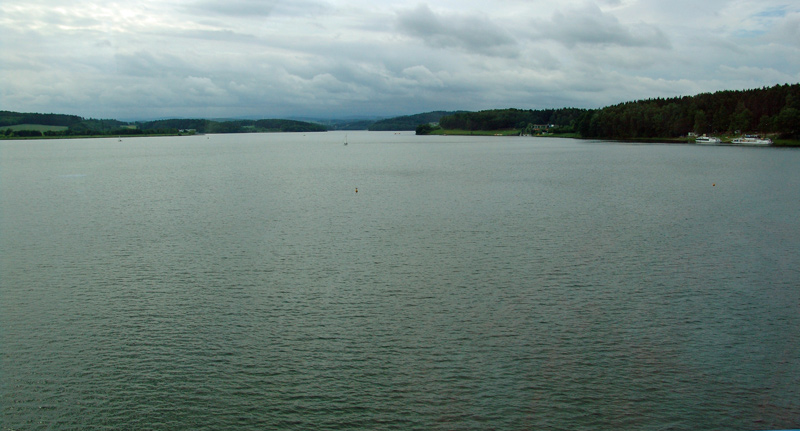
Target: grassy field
pixel 786 142
pixel 37 127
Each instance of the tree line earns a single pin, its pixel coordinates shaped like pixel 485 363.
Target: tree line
pixel 232 126
pixel 409 122
pixel 504 119
pixel 10 118
pixel 77 126
pixel 774 110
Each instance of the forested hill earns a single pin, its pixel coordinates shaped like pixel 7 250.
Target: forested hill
pixel 409 122
pixel 18 124
pixel 774 110
pixel 504 119
pixel 10 118
pixel 232 126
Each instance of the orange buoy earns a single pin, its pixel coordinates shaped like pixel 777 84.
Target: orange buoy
pixel 356 189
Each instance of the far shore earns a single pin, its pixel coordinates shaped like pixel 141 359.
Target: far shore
pixel 30 138
pixel 726 140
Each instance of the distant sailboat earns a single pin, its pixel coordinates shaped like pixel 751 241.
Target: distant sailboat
pixel 345 138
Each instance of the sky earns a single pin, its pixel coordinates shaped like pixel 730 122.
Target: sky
pixel 143 59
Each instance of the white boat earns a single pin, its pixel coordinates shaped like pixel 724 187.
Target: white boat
pixel 752 140
pixel 707 140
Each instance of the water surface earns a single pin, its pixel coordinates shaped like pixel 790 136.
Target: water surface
pixel 239 281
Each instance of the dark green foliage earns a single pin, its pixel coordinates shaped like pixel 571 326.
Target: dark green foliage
pixel 95 127
pixel 78 126
pixel 9 118
pixel 288 126
pixel 409 122
pixel 788 121
pixel 765 110
pixel 504 119
pixel 347 124
pixel 175 124
pixel 425 129
pixel 233 126
pixel 26 133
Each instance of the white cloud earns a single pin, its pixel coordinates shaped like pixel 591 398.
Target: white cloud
pixel 589 25
pixel 471 33
pixel 421 76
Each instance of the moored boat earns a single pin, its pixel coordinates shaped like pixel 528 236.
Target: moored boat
pixel 752 140
pixel 707 140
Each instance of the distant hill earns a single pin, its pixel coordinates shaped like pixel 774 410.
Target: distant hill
pixel 20 124
pixel 232 126
pixel 347 124
pixel 409 122
pixel 769 110
pixel 774 110
pixel 10 118
pixel 505 119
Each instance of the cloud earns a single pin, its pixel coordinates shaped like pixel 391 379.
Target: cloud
pixel 589 25
pixel 257 8
pixel 151 58
pixel 421 76
pixel 788 31
pixel 203 87
pixel 147 64
pixel 471 33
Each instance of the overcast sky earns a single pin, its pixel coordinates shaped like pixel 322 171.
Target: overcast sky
pixel 143 59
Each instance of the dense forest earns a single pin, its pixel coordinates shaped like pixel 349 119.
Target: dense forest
pixel 232 126
pixel 409 122
pixel 9 118
pixel 774 110
pixel 503 119
pixel 344 123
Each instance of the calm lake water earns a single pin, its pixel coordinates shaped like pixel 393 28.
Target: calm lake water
pixel 240 282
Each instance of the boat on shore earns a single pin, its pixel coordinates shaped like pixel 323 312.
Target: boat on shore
pixel 752 140
pixel 707 140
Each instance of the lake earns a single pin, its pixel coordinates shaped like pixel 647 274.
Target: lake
pixel 471 283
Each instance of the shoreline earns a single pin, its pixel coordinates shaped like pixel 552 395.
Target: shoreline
pixel 651 140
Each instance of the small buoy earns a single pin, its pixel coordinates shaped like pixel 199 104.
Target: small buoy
pixel 356 189
pixel 712 185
